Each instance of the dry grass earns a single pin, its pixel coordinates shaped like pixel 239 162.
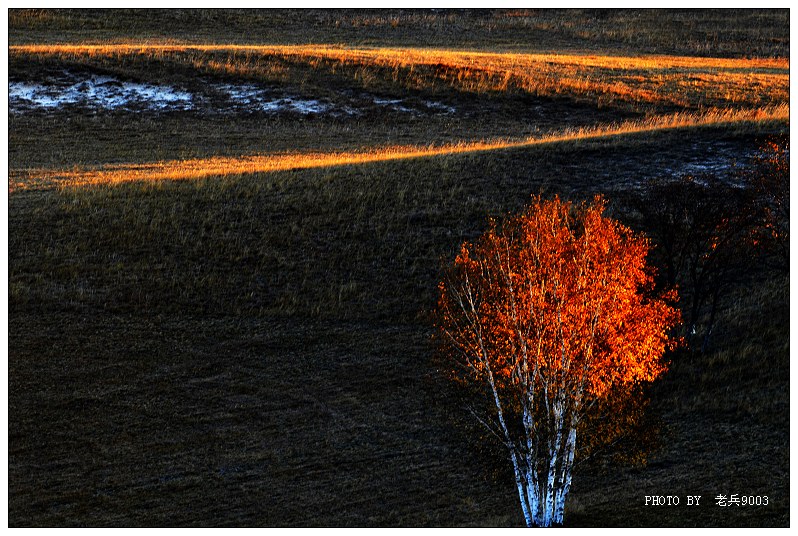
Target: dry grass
pixel 718 33
pixel 226 166
pixel 261 343
pixel 412 56
pixel 251 346
pixel 640 81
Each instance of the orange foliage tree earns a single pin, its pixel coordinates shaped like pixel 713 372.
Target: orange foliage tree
pixel 550 313
pixel 769 184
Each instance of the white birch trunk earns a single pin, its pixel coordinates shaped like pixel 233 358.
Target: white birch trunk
pixel 568 464
pixel 519 482
pixel 543 484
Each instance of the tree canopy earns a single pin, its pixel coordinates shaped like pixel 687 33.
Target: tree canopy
pixel 551 311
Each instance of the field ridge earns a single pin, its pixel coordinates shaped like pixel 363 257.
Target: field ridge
pixel 199 168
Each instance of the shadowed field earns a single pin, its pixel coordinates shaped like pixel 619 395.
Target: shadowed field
pixel 251 347
pixel 226 166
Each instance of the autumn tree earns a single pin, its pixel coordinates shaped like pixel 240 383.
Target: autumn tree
pixel 768 182
pixel 550 313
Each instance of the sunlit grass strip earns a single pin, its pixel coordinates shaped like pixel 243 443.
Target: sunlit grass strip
pixel 683 81
pixel 246 165
pixel 419 55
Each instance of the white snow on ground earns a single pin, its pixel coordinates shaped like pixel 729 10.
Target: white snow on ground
pixel 255 98
pixel 102 92
pixel 98 92
pixel 400 105
pixel 393 104
pixel 439 106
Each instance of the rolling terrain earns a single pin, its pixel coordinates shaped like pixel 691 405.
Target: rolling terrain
pixel 225 238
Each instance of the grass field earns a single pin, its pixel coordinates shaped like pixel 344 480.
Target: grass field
pixel 220 314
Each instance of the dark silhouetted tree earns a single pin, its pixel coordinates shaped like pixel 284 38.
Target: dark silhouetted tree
pixel 711 232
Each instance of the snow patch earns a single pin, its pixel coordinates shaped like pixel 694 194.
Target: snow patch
pixel 440 107
pixel 719 158
pixel 255 98
pixel 401 105
pixel 102 92
pixel 393 104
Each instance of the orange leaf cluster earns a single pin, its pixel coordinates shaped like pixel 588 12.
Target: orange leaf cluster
pixel 555 302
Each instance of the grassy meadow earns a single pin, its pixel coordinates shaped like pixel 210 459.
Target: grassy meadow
pixel 221 315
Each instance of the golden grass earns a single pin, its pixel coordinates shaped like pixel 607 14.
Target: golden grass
pixel 419 55
pixel 684 81
pixel 22 179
